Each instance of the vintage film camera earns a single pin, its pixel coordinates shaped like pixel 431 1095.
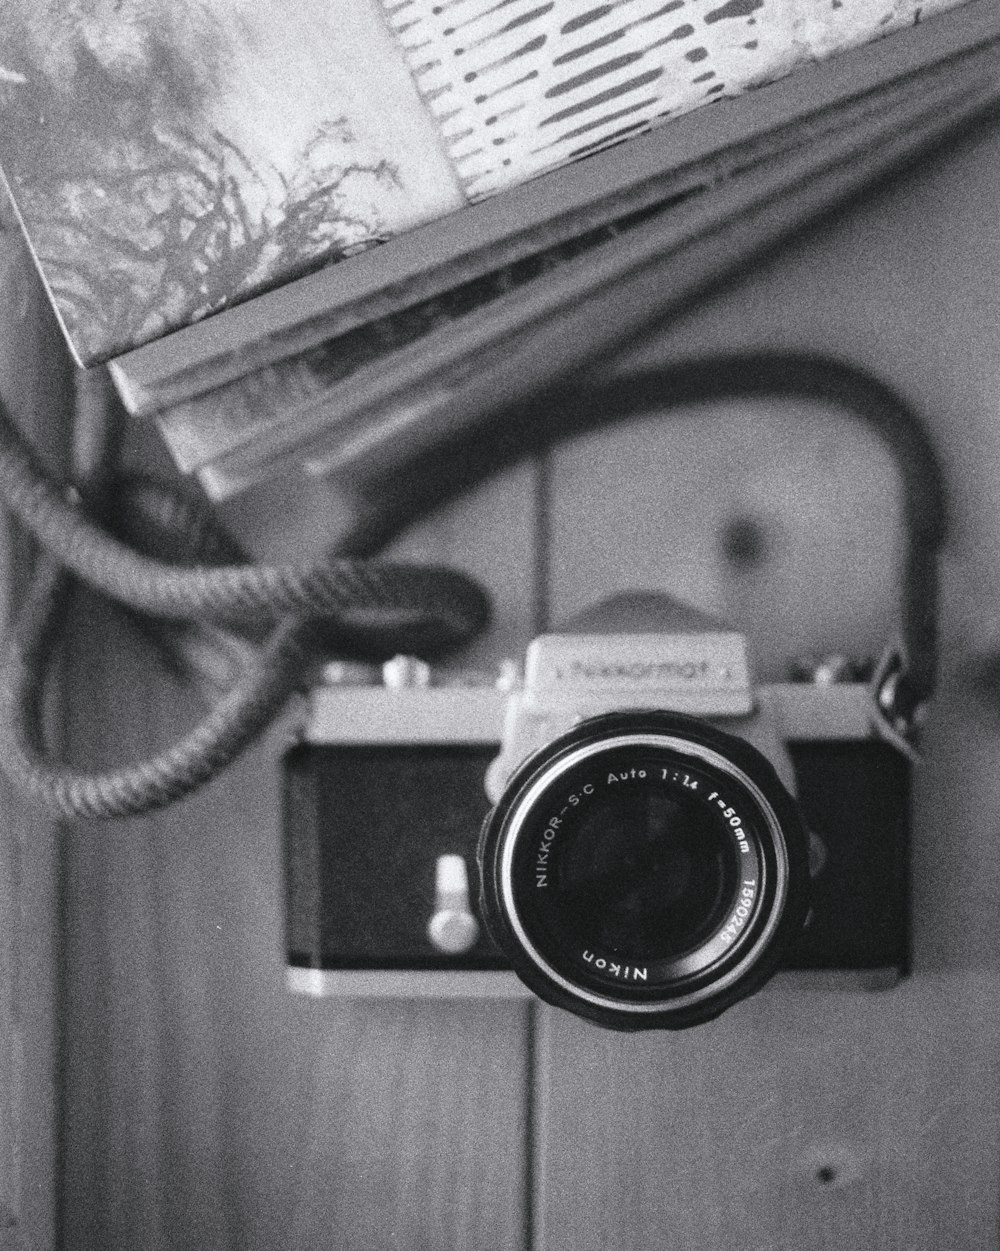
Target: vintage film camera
pixel 654 834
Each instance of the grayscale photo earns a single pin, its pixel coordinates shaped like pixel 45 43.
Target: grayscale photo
pixel 500 655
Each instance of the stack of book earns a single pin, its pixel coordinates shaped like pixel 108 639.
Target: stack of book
pixel 298 232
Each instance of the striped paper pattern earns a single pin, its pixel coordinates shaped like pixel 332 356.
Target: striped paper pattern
pixel 518 87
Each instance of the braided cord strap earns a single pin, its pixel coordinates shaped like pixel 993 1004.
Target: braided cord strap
pixel 227 592
pixel 430 608
pixel 231 726
pixel 422 609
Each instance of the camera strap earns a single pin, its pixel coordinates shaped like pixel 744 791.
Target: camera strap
pixel 427 466
pixel 432 606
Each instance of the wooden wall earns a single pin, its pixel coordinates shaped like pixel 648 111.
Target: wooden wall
pixel 35 385
pixel 202 1106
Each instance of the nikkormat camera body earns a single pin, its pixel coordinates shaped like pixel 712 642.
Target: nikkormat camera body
pixel 653 834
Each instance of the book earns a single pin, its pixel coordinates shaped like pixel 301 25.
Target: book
pixel 293 292
pixel 523 344
pixel 320 393
pixel 173 158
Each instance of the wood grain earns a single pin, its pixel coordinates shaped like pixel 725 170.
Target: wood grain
pixel 33 383
pixel 665 496
pixel 204 1104
pixel 808 1118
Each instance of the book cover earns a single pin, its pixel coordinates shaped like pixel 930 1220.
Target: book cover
pixel 172 158
pixel 518 88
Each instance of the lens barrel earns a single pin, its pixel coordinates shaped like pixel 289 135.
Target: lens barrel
pixel 644 870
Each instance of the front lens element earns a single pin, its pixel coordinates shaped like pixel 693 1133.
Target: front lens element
pixel 647 873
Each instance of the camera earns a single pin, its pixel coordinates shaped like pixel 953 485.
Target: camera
pixel 654 833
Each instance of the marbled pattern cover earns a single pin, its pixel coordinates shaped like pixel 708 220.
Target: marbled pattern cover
pixel 169 157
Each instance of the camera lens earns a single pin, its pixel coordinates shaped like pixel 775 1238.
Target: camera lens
pixel 648 872
pixel 644 870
